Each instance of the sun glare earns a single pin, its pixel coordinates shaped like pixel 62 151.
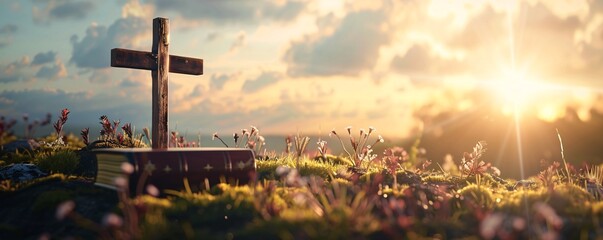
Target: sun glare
pixel 516 91
pixel 549 113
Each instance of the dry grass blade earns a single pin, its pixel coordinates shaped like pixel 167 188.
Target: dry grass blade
pixel 563 157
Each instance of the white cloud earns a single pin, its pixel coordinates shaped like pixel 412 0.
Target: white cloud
pixel 129 31
pixel 212 37
pixel 564 9
pixel 130 83
pixel 6 34
pixel 53 71
pixel 241 12
pixel 238 43
pixel 45 65
pixel 421 60
pixel 45 11
pixel 133 8
pixel 93 50
pixel 8 29
pixel 217 80
pixel 44 57
pixel 15 71
pixel 352 48
pixel 263 80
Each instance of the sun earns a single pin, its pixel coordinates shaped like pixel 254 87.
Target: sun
pixel 516 92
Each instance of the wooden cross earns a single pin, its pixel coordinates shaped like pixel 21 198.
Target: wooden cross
pixel 160 63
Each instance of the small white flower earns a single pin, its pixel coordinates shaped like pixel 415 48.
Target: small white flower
pixel 33 143
pixel 112 220
pixel 281 170
pixel 44 236
pixel 490 225
pixel 121 182
pixel 422 151
pixel 152 190
pixel 65 209
pixel 495 171
pixel 127 168
pixel 332 132
pixel 300 199
pixel 549 214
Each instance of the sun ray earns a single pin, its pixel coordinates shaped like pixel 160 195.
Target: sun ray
pixel 517 82
pixel 503 145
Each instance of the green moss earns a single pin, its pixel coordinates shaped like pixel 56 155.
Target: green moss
pixel 597 207
pixel 64 162
pixel 314 168
pixel 17 157
pixel 8 187
pixel 222 211
pixel 483 179
pixel 341 222
pixel 403 177
pixel 334 160
pixel 341 182
pixel 479 195
pixel 300 228
pixel 6 138
pixel 568 199
pixel 51 199
pixel 266 169
pixel 439 178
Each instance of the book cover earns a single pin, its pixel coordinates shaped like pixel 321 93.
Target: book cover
pixel 176 168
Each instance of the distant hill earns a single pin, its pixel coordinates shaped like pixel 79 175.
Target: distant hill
pixel 582 141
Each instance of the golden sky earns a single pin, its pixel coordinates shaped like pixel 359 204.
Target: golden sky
pixel 307 66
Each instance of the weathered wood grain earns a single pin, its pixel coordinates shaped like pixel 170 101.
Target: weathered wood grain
pixel 126 58
pixel 161 37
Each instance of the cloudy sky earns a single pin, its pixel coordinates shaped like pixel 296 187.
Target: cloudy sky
pixel 307 66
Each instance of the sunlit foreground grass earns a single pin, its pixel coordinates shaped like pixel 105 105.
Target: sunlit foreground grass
pixel 322 198
pixel 300 204
pixel 360 195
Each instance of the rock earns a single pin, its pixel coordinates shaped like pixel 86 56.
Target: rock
pixel 21 172
pixel 20 145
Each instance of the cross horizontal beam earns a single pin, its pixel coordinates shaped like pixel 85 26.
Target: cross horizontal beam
pixel 126 58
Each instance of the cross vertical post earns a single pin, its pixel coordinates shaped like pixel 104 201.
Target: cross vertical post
pixel 161 42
